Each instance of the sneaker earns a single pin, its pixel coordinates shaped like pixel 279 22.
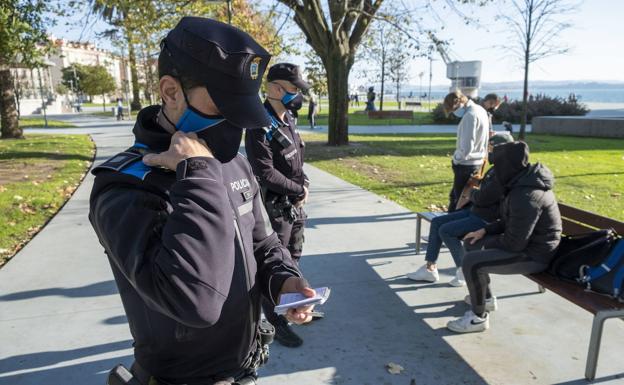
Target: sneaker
pixel 424 274
pixel 285 335
pixel 490 303
pixel 425 238
pixel 469 323
pixel 458 280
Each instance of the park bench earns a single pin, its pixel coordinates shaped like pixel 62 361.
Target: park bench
pixel 390 114
pixel 575 221
pixel 413 104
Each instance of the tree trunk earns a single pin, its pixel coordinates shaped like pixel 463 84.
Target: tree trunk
pixel 525 102
pixel 8 112
pixel 104 102
pixel 337 68
pixel 135 105
pixel 383 78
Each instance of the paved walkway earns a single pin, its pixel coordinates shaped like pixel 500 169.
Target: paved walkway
pixel 61 320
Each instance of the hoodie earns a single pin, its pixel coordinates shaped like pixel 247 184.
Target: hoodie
pixel 472 136
pixel 530 221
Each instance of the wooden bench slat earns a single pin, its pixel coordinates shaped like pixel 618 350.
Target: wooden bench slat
pixel 575 293
pixel 574 228
pixel 590 218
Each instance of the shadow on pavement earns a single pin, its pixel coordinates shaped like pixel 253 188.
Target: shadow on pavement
pixel 92 290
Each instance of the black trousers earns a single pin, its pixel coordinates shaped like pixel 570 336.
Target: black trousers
pixel 291 236
pixel 461 174
pixel 477 266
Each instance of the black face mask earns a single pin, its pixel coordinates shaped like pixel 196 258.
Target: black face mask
pixel 222 137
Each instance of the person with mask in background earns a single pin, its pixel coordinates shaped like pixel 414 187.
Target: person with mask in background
pixel 472 139
pixel 491 102
pixel 276 154
pixel 181 217
pixel 522 241
pixel 451 228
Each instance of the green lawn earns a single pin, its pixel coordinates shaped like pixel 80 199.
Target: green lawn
pixel 37 176
pixel 414 169
pixel 361 119
pixel 40 123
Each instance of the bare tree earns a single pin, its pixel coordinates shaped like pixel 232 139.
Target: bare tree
pixel 535 27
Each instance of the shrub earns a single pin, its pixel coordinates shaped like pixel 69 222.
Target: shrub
pixel 540 105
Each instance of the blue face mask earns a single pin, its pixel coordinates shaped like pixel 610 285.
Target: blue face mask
pixel 292 101
pixel 222 137
pixel 460 112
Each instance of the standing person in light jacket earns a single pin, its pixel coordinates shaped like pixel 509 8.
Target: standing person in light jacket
pixel 472 141
pixel 522 241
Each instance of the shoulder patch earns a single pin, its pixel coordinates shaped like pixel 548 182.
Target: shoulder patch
pixel 129 163
pixel 117 162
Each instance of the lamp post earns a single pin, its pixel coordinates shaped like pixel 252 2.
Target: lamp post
pixel 43 101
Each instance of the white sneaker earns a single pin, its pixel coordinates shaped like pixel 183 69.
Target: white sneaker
pixel 491 304
pixel 458 280
pixel 423 274
pixel 469 323
pixel 425 238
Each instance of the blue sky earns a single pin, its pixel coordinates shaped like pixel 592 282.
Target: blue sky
pixel 595 38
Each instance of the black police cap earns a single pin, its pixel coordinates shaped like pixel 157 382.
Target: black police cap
pixel 227 60
pixel 288 72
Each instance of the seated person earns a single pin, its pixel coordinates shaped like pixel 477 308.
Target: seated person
pixel 522 241
pixel 452 227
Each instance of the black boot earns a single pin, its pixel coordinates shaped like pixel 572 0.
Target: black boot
pixel 285 335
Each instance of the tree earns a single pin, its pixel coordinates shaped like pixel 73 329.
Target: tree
pixel 97 81
pixel 335 41
pixel 534 28
pixel 317 77
pixel 72 77
pixel 401 51
pixel 23 39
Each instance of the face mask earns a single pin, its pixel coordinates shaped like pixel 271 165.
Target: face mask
pixel 460 112
pixel 222 137
pixel 292 101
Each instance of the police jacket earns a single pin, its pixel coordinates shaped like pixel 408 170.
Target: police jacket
pixel 530 221
pixel 279 168
pixel 191 252
pixel 486 199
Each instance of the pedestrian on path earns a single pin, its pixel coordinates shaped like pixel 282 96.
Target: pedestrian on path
pixel 181 217
pixel 312 110
pixel 451 228
pixel 522 241
pixel 472 139
pixel 276 155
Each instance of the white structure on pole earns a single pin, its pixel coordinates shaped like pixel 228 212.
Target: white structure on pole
pixel 464 75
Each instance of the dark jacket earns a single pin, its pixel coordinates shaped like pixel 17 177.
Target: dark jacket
pixel 279 169
pixel 530 220
pixel 191 252
pixel 486 199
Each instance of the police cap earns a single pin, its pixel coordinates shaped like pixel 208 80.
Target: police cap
pixel 228 61
pixel 288 72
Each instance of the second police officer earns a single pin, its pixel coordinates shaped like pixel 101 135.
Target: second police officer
pixel 276 156
pixel 182 221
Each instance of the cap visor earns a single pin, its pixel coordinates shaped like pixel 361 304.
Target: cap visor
pixel 299 83
pixel 242 110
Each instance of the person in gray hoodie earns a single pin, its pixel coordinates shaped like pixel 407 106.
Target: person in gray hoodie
pixel 522 241
pixel 472 141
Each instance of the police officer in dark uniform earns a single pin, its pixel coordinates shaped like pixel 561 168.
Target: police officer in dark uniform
pixel 276 155
pixel 182 221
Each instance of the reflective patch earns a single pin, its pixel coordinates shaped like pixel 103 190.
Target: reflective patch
pixel 290 154
pixel 245 208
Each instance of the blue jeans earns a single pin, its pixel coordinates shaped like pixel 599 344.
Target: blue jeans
pixel 450 228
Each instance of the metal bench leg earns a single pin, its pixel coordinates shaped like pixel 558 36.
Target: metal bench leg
pixel 541 289
pixel 418 224
pixel 596 337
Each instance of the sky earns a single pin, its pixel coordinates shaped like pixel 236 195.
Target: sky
pixel 595 40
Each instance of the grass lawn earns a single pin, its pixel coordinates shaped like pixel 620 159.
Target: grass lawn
pixel 37 176
pixel 40 123
pixel 361 119
pixel 414 170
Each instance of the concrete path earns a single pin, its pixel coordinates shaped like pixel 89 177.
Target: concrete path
pixel 61 320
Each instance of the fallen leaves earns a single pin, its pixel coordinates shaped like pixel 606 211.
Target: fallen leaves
pixel 393 368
